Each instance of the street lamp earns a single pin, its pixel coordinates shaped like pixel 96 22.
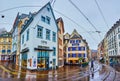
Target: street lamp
pixel 2 16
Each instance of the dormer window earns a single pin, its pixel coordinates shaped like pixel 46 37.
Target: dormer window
pixel 48 9
pixel 25 21
pixel 47 20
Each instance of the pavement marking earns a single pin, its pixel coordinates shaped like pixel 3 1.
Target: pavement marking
pixel 7 70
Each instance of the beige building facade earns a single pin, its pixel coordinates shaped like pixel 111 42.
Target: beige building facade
pixel 60 42
pixel 5 46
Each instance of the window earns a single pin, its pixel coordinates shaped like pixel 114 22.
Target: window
pixel 71 41
pixel 84 55
pixel 54 61
pixel 69 48
pixel 82 48
pixel 24 59
pixel 4 40
pixel 54 37
pixel 79 48
pixel 54 51
pixel 77 41
pixel 119 44
pixel 79 55
pixel 22 39
pixel 47 20
pixel 68 55
pixel 47 34
pixel 73 55
pixel 73 48
pixel 3 51
pixel 39 32
pixel 118 30
pixel 43 18
pixel 48 9
pixel 8 51
pixel 119 36
pixel 27 35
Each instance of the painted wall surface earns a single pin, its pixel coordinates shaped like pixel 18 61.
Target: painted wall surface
pixel 34 41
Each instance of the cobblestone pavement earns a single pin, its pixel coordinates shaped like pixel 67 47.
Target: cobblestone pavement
pixel 117 78
pixel 67 73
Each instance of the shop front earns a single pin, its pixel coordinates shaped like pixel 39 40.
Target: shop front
pixel 24 60
pixel 5 58
pixel 43 60
pixel 43 57
pixel 24 57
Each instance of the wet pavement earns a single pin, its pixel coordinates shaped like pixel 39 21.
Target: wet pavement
pixel 14 73
pixel 10 72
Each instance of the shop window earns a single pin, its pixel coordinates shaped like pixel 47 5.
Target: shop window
pixel 24 60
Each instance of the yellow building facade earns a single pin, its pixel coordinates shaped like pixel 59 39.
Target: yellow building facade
pixel 76 47
pixel 18 24
pixel 5 46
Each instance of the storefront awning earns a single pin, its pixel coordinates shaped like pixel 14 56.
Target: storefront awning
pixel 43 49
pixel 24 50
pixel 118 56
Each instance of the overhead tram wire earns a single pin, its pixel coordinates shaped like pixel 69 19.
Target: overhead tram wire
pixel 54 10
pixel 53 2
pixel 75 23
pixel 101 14
pixel 85 17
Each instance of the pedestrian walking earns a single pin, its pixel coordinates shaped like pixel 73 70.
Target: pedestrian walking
pixel 92 65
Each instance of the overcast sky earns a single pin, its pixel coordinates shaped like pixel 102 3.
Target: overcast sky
pixel 110 10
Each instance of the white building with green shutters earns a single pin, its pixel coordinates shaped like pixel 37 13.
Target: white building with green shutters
pixel 39 45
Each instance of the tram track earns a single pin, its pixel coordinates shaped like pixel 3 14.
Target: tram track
pixel 77 75
pixel 111 75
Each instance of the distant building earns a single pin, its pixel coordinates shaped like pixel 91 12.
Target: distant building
pixel 5 46
pixel 110 45
pixel 101 50
pixel 60 41
pixel 75 47
pixel 39 44
pixel 94 54
pixel 113 37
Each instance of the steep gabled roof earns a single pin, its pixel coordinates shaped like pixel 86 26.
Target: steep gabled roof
pixel 61 20
pixel 34 14
pixel 51 12
pixel 75 34
pixel 17 20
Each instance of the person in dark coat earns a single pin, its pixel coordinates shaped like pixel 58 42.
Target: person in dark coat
pixel 92 65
